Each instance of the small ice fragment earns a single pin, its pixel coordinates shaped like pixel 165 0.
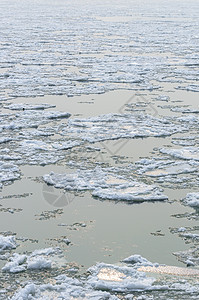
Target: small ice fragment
pixel 181 229
pixel 7 242
pixel 39 263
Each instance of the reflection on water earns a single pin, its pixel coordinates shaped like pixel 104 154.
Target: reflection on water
pixel 111 274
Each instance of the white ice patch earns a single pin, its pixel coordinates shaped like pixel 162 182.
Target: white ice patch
pixel 46 251
pixel 65 288
pixel 187 153
pixel 105 185
pixel 35 151
pixel 38 260
pixel 191 87
pixel 16 264
pixel 157 167
pixel 188 257
pixel 118 279
pixel 7 242
pixel 108 281
pixel 163 98
pixel 39 263
pixel 192 199
pixel 185 110
pixel 8 173
pixel 137 259
pixel 29 119
pixel 116 126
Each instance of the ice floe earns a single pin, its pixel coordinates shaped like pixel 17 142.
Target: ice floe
pixel 188 257
pixel 37 260
pixel 105 185
pixel 192 199
pixel 137 259
pixel 29 119
pixel 117 126
pixel 7 242
pixel 159 167
pixel 66 288
pixel 187 153
pixel 8 173
pixel 118 279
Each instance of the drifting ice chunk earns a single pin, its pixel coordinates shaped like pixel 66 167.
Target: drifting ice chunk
pixel 118 279
pixel 138 192
pixel 137 259
pixel 7 242
pixel 105 185
pixel 157 167
pixel 46 251
pixel 29 119
pixel 16 264
pixel 188 153
pixel 8 173
pixel 116 126
pixel 35 261
pixel 39 264
pixel 192 199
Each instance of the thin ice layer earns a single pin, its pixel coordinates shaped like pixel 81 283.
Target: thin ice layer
pixel 105 185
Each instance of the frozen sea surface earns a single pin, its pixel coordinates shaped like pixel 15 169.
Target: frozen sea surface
pixel 90 48
pixel 65 149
